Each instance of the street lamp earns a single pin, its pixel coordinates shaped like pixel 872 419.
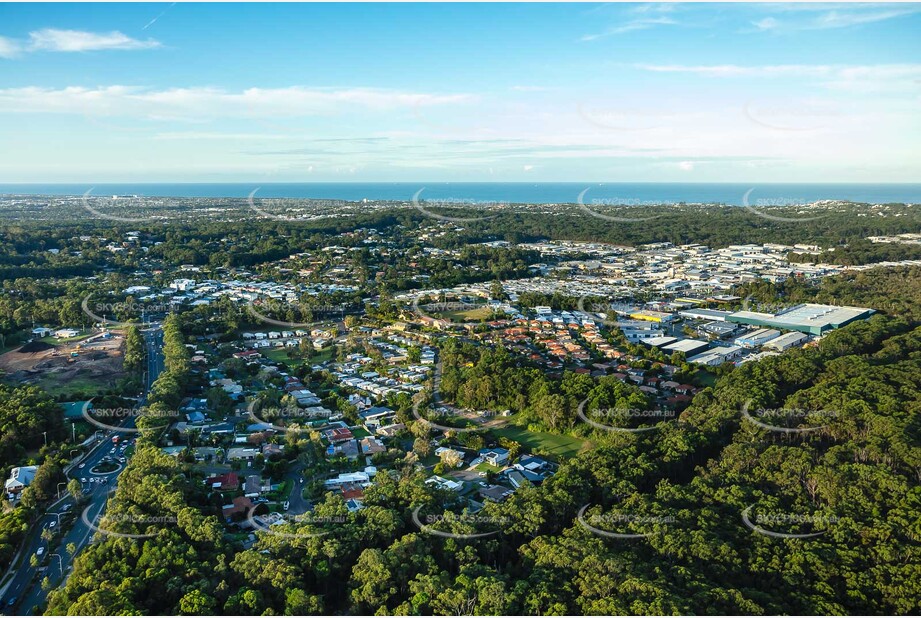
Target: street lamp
pixel 60 562
pixel 59 488
pixel 45 433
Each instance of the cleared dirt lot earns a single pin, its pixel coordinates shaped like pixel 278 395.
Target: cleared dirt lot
pixel 98 364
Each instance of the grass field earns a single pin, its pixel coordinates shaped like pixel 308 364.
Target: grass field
pixel 480 313
pixel 560 446
pixel 280 355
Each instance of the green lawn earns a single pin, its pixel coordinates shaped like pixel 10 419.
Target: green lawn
pixel 561 446
pixel 280 355
pixel 480 313
pixel 360 432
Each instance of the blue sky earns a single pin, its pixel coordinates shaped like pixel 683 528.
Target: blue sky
pixel 460 92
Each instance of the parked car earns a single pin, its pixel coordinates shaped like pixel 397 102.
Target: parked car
pixel 287 505
pixel 81 466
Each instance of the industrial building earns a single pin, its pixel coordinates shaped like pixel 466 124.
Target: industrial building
pixel 653 316
pixel 687 346
pixel 786 341
pixel 717 356
pixel 705 314
pixel 754 339
pixel 807 318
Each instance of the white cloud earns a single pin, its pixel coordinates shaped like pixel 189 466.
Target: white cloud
pixel 9 48
pixel 686 166
pixel 186 103
pixel 878 77
pixel 768 23
pixel 825 17
pixel 631 26
pixel 54 40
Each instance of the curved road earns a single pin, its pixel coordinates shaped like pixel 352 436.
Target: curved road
pixel 25 588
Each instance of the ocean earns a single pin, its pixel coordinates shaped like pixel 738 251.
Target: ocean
pixel 505 192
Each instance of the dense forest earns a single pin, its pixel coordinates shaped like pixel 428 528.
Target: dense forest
pixel 687 491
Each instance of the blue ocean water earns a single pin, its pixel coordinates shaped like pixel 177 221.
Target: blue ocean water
pixel 507 192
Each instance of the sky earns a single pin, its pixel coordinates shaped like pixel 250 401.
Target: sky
pixel 623 92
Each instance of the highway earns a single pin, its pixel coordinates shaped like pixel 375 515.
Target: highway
pixel 25 588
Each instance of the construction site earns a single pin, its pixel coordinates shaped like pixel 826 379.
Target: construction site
pixel 90 363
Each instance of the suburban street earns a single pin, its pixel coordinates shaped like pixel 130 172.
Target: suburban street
pixel 25 586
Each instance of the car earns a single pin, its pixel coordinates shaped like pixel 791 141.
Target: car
pixel 40 551
pixel 52 525
pixel 287 505
pixel 81 466
pixel 302 481
pixel 67 507
pixel 83 480
pixel 12 601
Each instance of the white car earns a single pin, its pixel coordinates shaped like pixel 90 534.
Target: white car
pixel 81 466
pixel 52 525
pixel 287 505
pixel 40 551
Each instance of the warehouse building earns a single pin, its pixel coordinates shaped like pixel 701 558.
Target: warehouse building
pixel 688 346
pixel 787 341
pixel 807 318
pixel 705 314
pixel 754 339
